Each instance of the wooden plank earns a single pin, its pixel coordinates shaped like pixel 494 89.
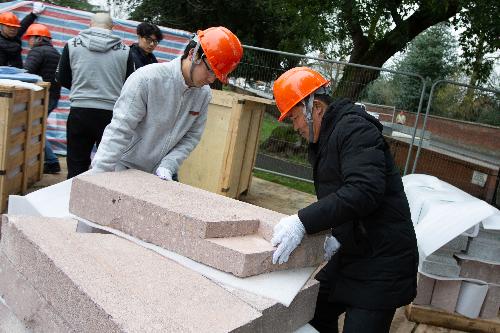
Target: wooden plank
pixel 17 139
pixel 44 128
pixel 37 112
pixel 437 317
pixel 18 119
pixel 6 105
pixel 226 188
pixel 28 143
pixel 21 96
pixel 15 161
pixel 203 166
pixel 256 111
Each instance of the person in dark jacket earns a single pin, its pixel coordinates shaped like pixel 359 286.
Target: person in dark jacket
pixel 372 251
pixel 148 37
pixel 42 60
pixel 11 31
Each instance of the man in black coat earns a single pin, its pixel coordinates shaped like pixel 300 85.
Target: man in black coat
pixel 42 60
pixel 148 37
pixel 372 252
pixel 11 31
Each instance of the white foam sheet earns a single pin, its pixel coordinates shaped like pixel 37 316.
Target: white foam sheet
pixel 281 286
pixel 440 212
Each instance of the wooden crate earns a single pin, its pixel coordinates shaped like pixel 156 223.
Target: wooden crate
pixel 436 317
pixel 223 160
pixel 23 115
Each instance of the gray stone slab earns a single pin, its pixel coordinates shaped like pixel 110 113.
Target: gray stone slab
pixel 474 269
pixel 279 318
pixel 102 283
pixel 425 287
pixel 445 266
pixel 192 222
pixel 458 244
pixel 9 323
pixel 483 248
pixel 26 303
pixel 445 294
pixel 491 304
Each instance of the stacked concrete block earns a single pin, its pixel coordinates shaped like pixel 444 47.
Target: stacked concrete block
pixel 442 294
pixel 491 303
pixel 442 262
pixel 486 245
pixel 445 294
pixel 57 280
pixel 227 234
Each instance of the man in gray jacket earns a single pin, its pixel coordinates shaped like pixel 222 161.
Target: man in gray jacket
pixel 94 65
pixel 162 110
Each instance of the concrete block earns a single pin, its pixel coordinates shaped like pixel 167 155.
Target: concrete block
pixel 227 234
pixel 445 266
pixel 26 303
pixel 9 323
pixel 279 318
pixel 491 303
pixel 445 294
pixel 102 283
pixel 458 244
pixel 425 286
pixel 489 234
pixel 474 269
pixel 484 248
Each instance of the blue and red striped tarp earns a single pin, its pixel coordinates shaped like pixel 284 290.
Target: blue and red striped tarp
pixel 65 23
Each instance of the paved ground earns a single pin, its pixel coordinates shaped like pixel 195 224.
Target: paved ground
pixel 287 201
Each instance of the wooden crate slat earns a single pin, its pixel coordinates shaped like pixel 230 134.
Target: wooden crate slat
pixel 21 96
pixel 37 112
pixel 22 131
pixel 18 119
pixel 17 139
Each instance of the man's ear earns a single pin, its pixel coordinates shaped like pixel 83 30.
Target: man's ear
pixel 319 108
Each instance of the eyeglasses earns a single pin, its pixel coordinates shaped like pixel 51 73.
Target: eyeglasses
pixel 150 41
pixel 210 70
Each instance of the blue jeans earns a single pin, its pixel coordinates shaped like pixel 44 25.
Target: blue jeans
pixel 50 157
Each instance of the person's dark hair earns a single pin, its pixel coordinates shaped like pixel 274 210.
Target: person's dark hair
pixel 327 99
pixel 146 29
pixel 191 45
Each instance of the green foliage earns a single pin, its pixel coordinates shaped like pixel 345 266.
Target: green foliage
pixel 433 55
pixel 296 184
pixel 75 4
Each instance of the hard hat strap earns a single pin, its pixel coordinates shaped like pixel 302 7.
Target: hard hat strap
pixel 193 61
pixel 309 117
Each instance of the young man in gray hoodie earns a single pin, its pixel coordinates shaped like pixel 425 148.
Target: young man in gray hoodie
pixel 94 65
pixel 162 110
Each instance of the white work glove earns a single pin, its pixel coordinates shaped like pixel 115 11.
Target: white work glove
pixel 331 246
pixel 288 233
pixel 164 173
pixel 38 8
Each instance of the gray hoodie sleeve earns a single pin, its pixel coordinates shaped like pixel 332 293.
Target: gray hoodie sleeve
pixel 129 110
pixel 188 142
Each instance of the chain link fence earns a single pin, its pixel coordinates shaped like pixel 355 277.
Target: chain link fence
pixel 281 150
pixel 457 140
pixel 461 138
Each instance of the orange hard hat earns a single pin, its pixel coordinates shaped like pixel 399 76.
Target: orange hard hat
pixel 10 19
pixel 293 86
pixel 222 49
pixel 37 29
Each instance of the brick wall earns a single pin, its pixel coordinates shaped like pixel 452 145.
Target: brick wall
pixel 478 137
pixel 452 170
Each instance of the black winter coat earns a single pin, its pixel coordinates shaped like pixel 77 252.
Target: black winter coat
pixel 361 197
pixel 42 60
pixel 140 57
pixel 10 48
